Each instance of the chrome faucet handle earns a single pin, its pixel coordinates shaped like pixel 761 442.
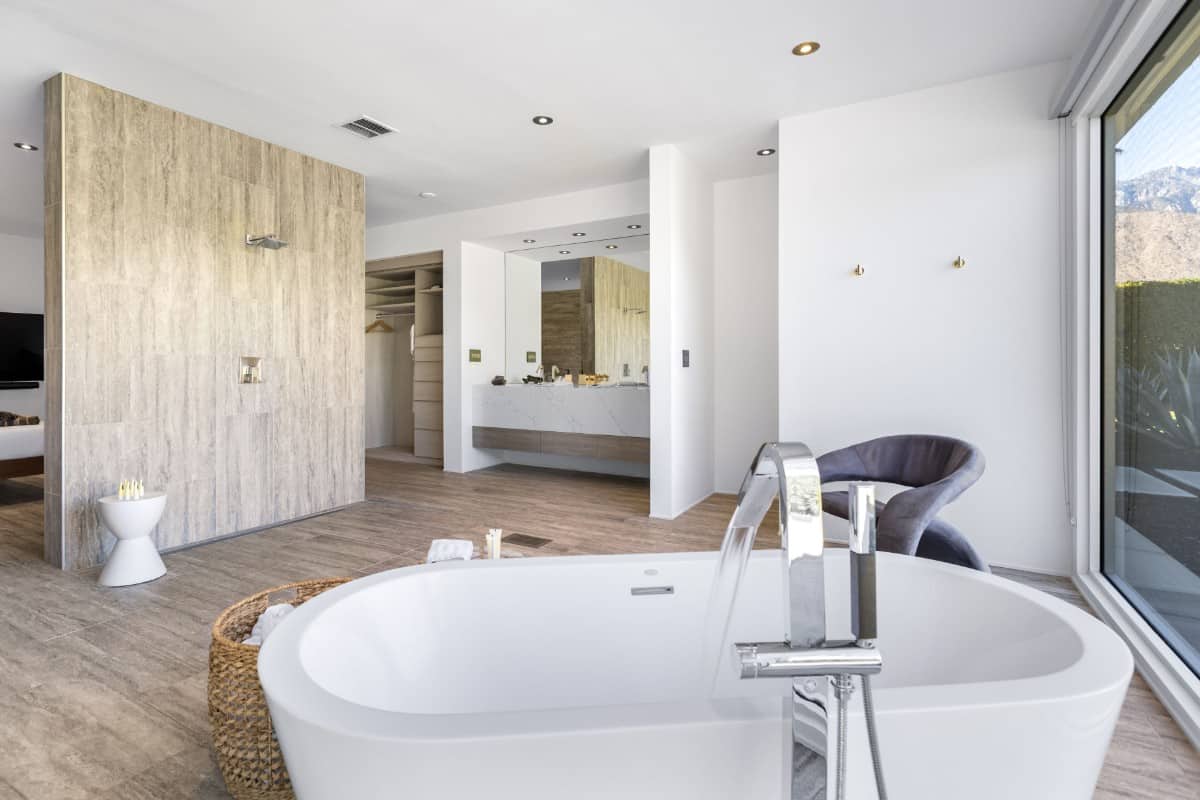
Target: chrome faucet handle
pixel 781 660
pixel 863 619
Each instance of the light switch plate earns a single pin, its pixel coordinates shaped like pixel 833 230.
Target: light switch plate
pixel 530 356
pixel 474 356
pixel 687 358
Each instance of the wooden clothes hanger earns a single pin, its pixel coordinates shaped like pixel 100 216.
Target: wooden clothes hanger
pixel 380 326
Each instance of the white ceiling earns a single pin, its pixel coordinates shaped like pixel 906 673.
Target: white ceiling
pixel 460 79
pixel 611 238
pixel 547 242
pixel 634 251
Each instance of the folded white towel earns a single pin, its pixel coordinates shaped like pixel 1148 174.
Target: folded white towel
pixel 450 550
pixel 267 622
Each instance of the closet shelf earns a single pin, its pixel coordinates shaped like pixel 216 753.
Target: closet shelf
pixel 394 274
pixel 392 306
pixel 431 290
pixel 393 290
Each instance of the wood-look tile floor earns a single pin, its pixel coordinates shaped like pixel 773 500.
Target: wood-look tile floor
pixel 102 691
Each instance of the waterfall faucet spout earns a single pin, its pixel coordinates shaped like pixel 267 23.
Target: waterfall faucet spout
pixel 790 470
pixel 819 668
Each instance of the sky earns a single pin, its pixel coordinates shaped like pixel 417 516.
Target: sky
pixel 1168 134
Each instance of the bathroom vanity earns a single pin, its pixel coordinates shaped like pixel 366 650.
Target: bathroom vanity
pixel 593 424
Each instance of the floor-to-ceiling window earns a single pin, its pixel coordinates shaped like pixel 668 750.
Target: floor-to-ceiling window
pixel 1151 342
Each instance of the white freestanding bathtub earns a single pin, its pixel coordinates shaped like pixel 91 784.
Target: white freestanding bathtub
pixel 547 679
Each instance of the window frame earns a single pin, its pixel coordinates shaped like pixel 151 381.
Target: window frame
pixel 1116 52
pixel 1187 16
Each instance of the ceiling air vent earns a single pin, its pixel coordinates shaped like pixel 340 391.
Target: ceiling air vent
pixel 367 127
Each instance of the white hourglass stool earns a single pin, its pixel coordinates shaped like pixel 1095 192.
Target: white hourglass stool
pixel 135 559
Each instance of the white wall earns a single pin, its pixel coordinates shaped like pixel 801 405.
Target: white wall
pixel 903 185
pixel 22 290
pixel 522 315
pixel 482 330
pixel 681 285
pixel 745 322
pixel 471 315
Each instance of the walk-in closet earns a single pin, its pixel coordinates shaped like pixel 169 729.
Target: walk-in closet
pixel 404 358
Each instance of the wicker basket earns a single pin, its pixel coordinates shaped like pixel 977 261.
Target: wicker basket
pixel 243 738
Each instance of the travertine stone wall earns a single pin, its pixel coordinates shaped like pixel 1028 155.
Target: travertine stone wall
pixel 622 318
pixel 153 297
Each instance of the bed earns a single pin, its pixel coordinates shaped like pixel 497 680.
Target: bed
pixel 21 450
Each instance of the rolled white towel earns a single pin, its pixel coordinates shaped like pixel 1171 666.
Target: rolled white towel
pixel 450 550
pixel 267 622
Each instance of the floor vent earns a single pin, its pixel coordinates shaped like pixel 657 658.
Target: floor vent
pixel 367 127
pixel 525 540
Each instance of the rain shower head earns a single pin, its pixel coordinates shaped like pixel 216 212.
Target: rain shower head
pixel 270 241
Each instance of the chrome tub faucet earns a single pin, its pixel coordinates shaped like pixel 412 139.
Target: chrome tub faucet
pixel 821 669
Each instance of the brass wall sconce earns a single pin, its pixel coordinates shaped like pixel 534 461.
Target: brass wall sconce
pixel 859 271
pixel 959 262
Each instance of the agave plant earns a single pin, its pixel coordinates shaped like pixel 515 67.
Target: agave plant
pixel 1163 400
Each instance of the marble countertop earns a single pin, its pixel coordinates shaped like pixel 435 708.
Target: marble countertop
pixel 611 410
pixel 548 385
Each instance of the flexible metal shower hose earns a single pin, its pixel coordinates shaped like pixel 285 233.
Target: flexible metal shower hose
pixel 873 736
pixel 843 686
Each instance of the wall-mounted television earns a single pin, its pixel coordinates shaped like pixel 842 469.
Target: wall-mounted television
pixel 21 347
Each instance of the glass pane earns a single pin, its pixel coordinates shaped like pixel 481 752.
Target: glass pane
pixel 1152 339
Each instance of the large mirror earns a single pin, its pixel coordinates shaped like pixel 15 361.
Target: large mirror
pixel 582 317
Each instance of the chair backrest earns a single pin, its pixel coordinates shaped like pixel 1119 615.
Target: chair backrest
pixel 909 460
pixel 939 468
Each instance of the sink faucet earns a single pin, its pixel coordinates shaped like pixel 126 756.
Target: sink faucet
pixel 820 669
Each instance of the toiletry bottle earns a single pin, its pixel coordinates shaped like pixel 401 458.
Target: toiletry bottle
pixel 494 537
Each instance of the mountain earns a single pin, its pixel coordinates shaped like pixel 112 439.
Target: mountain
pixel 1158 225
pixel 1157 246
pixel 1165 189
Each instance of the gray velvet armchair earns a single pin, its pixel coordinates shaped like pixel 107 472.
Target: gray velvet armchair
pixel 937 468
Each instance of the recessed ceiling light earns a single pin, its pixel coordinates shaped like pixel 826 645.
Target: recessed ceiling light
pixel 806 48
pixel 610 247
pixel 633 227
pixel 529 241
pixel 564 252
pixel 25 146
pixel 566 278
pixel 766 151
pixel 542 119
pixel 427 195
pixel 577 235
